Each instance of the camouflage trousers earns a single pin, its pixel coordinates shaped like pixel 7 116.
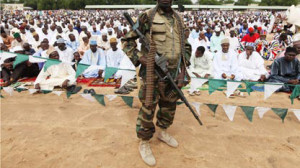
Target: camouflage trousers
pixel 165 115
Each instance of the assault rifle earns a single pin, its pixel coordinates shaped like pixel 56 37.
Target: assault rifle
pixel 161 69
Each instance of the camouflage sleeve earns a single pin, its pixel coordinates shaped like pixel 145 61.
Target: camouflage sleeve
pixel 188 53
pixel 129 42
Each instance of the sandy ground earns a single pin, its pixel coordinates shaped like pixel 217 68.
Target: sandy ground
pixel 47 131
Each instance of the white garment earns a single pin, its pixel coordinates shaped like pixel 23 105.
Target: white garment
pixel 114 58
pixel 226 63
pixel 234 43
pixel 252 68
pixel 66 55
pixel 58 74
pixel 201 65
pixel 196 43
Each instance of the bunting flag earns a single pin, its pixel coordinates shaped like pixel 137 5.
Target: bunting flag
pixel 51 62
pixel 215 84
pixel 21 89
pixel 46 91
pixel 111 97
pixel 126 76
pixel 80 69
pixel 231 87
pixel 229 111
pixel 88 97
pixel 297 113
pixel 197 107
pixel 100 98
pixel 262 110
pixel 196 83
pixel 295 94
pixel 270 89
pixel 69 94
pixel 109 71
pixel 58 93
pixel 280 112
pixel 249 86
pixel 31 91
pixel 212 107
pixel 248 110
pixel 9 90
pixel 19 59
pixel 128 100
pixel 33 59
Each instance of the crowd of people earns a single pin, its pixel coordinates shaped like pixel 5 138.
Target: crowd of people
pixel 231 45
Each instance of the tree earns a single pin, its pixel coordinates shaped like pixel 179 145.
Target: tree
pixel 279 2
pixel 244 2
pixel 209 2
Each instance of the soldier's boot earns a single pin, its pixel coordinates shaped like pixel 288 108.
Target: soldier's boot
pixel 167 138
pixel 146 153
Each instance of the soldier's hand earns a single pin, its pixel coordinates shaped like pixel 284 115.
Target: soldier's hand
pixel 143 60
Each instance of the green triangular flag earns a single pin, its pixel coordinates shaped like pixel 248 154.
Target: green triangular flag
pixel 81 68
pixel 19 59
pixel 295 94
pixel 50 62
pixel 280 112
pixel 20 89
pixel 128 100
pixel 249 86
pixel 212 107
pixel 215 84
pixel 109 71
pixel 100 98
pixel 248 110
pixel 179 103
pixel 69 94
pixel 46 91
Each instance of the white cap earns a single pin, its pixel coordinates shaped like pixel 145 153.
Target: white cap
pixel 217 29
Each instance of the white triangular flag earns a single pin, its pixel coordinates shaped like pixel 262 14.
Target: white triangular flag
pixel 297 113
pixel 111 97
pixel 231 87
pixel 262 110
pixel 9 90
pixel 6 55
pixel 36 60
pixel 31 91
pixel 270 89
pixel 58 93
pixel 230 111
pixel 126 76
pixel 196 83
pixel 197 107
pixel 88 97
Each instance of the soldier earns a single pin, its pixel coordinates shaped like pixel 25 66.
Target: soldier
pixel 164 30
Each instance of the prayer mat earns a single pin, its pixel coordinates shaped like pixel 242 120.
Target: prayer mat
pixel 27 79
pixel 86 81
pixel 99 82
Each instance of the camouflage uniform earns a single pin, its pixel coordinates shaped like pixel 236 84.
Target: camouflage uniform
pixel 166 36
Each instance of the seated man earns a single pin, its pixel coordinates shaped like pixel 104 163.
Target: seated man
pixel 72 43
pixel 201 64
pixel 251 64
pixel 286 69
pixel 96 58
pixel 114 55
pixel 76 59
pixel 62 75
pixel 65 53
pixel 225 63
pixel 24 69
pixel 18 41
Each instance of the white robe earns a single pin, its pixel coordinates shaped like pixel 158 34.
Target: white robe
pixel 252 68
pixel 202 65
pixel 196 43
pixel 226 63
pixel 66 55
pixel 58 74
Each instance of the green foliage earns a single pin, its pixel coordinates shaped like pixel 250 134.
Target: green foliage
pixel 80 4
pixel 244 2
pixel 279 2
pixel 210 2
